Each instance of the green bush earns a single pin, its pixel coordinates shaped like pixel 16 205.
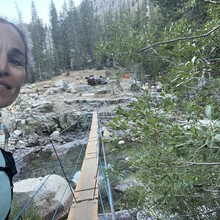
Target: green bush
pixel 29 214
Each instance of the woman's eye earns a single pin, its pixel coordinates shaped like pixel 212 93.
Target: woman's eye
pixel 15 62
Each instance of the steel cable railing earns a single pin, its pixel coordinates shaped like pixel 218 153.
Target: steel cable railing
pixel 53 170
pixel 108 187
pixel 71 176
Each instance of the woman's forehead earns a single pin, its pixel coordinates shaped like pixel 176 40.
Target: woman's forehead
pixel 10 38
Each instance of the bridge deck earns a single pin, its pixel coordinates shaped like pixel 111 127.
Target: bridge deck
pixel 86 192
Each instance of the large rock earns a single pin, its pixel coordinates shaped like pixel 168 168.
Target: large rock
pixel 96 80
pixel 61 84
pixel 84 88
pixel 71 88
pixel 122 215
pixel 52 91
pixel 45 123
pixel 54 191
pixel 43 106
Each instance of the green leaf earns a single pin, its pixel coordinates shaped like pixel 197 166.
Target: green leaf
pixel 210 143
pixel 200 130
pixel 172 199
pixel 216 138
pixel 208 110
pixel 178 184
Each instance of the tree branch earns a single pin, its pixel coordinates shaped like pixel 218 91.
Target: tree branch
pixel 215 209
pixel 180 39
pixel 208 164
pixel 211 2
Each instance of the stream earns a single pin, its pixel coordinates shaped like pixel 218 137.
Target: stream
pixel 45 163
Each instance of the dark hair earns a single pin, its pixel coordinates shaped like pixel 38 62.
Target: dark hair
pixel 4 21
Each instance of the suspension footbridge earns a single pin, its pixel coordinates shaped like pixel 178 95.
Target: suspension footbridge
pixel 86 196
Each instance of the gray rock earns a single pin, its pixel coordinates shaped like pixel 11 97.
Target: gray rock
pixel 43 106
pixel 48 197
pixel 61 84
pixel 122 215
pixel 55 133
pixel 71 88
pixel 46 86
pixel 52 91
pixel 84 88
pixel 32 140
pixel 122 187
pixel 18 132
pixel 103 91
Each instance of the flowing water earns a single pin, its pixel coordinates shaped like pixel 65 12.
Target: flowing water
pixel 45 163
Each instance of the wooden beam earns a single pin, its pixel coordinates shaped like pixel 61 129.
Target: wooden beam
pixel 86 193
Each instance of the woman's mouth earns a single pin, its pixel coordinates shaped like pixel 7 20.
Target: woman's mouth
pixel 5 84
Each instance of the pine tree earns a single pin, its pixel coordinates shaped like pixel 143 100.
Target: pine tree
pixel 37 33
pixel 170 9
pixel 49 59
pixel 87 17
pixel 75 33
pixel 65 39
pixel 56 37
pixel 20 20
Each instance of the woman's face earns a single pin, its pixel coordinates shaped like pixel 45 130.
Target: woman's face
pixel 12 64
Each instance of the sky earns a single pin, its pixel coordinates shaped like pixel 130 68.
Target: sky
pixel 8 9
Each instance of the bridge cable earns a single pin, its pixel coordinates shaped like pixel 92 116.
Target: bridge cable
pixel 102 204
pixel 105 183
pixel 71 175
pixel 96 182
pixel 107 179
pixel 108 187
pixel 98 150
pixel 58 159
pixel 55 167
pixel 98 169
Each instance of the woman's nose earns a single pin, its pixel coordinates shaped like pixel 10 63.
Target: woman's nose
pixel 3 64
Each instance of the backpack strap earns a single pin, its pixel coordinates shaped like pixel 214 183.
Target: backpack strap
pixel 3 169
pixel 10 167
pixel 7 171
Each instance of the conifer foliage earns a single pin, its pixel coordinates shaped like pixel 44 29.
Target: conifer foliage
pixel 65 43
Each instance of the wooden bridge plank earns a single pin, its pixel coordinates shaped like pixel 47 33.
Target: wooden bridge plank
pixel 86 192
pixel 87 210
